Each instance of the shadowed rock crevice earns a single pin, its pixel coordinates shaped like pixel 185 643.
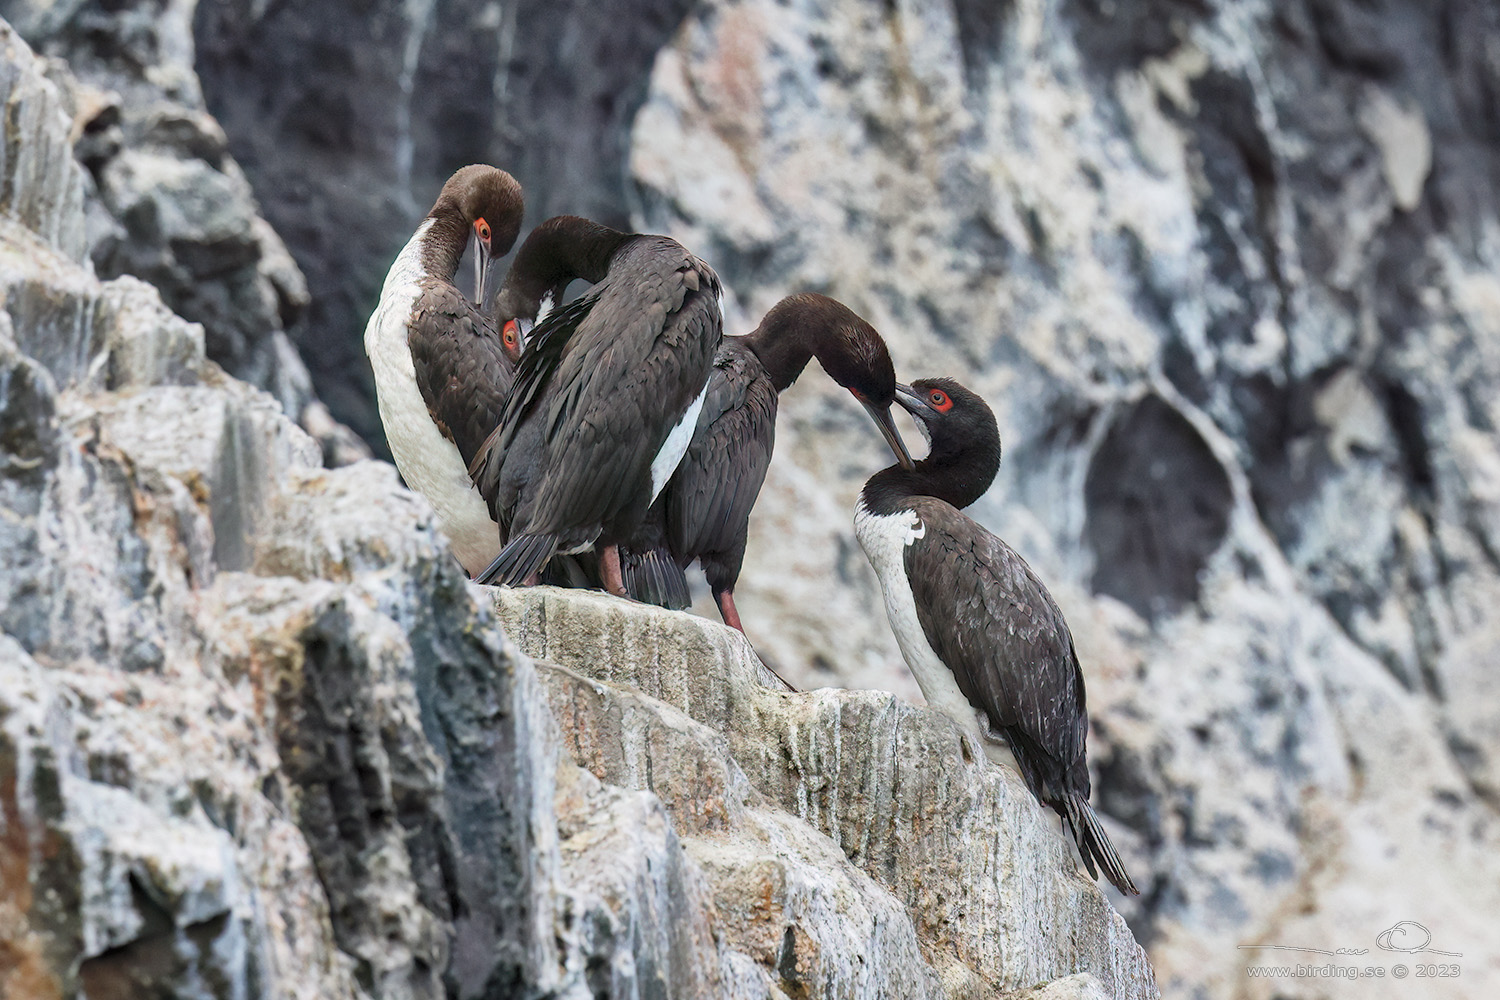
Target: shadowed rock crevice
pixel 981 33
pixel 1158 507
pixel 27 460
pixel 1288 460
pixel 211 952
pixel 1241 223
pixel 1121 36
pixel 1405 415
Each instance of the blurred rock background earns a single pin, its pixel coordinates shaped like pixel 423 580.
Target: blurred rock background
pixel 1228 271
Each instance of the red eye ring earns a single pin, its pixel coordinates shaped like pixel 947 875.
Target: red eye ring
pixel 510 333
pixel 482 228
pixel 940 400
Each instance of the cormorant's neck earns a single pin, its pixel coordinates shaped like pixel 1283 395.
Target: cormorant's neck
pixel 789 336
pixel 783 351
pixel 958 475
pixel 446 239
pixel 568 247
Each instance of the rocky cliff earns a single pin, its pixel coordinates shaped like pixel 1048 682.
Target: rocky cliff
pixel 1227 271
pixel 1229 274
pixel 259 738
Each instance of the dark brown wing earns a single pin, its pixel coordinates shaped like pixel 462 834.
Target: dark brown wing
pixel 549 342
pixel 990 619
pixel 710 497
pixel 461 368
pixel 636 360
pixel 502 468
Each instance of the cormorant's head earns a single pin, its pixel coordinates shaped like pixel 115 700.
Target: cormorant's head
pixel 960 430
pixel 849 349
pixel 520 305
pixel 556 252
pixel 490 202
pixel 857 359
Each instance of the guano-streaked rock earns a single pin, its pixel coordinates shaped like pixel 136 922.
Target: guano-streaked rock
pixel 991 888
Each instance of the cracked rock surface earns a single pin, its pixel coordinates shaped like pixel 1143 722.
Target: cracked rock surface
pixel 983 884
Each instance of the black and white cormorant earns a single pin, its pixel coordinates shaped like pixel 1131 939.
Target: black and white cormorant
pixel 442 374
pixel 607 391
pixel 981 634
pixel 704 513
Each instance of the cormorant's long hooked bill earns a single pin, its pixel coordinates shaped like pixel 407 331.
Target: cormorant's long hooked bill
pixel 911 400
pixel 481 270
pixel 883 420
pixel 482 261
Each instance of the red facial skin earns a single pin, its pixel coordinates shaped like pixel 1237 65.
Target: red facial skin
pixel 510 339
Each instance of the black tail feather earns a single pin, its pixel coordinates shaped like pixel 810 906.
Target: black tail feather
pixel 1093 843
pixel 654 577
pixel 577 572
pixel 522 557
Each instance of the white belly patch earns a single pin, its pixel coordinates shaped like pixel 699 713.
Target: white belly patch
pixel 885 537
pixel 428 461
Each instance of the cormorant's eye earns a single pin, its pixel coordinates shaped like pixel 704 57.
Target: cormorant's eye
pixel 940 401
pixel 482 229
pixel 510 335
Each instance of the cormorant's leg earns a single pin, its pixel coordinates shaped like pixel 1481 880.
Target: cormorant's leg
pixel 609 566
pixel 725 600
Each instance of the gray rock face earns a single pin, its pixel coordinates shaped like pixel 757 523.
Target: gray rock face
pixel 166 203
pixel 992 893
pixel 40 190
pixel 1226 270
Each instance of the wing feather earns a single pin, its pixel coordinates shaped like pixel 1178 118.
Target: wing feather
pixel 461 368
pixel 618 374
pixel 992 621
pixel 548 345
pixel 710 498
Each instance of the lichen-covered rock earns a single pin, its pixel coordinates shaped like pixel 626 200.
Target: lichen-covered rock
pixel 38 186
pixel 1080 987
pixel 782 894
pixel 140 856
pixel 142 853
pixel 164 828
